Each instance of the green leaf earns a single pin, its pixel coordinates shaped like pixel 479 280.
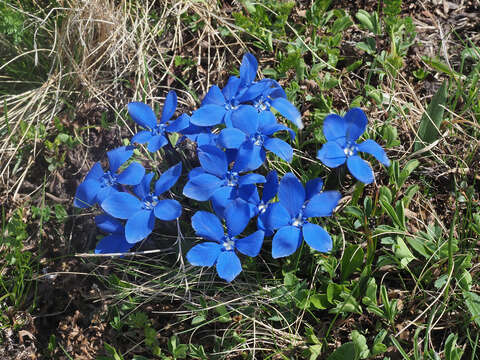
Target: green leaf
pixel 472 301
pixel 406 171
pixel 346 351
pixel 341 24
pixel 224 314
pixel 312 352
pixel 402 252
pixel 360 343
pixel 352 260
pixel 198 319
pixel 440 66
pixel 364 18
pixel 429 129
pixel 319 301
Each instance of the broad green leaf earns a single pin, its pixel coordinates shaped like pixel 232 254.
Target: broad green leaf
pixel 346 351
pixel 429 129
pixel 472 301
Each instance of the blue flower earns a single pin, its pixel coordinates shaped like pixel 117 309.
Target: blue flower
pixel 251 134
pixel 140 212
pixel 99 184
pixel 155 134
pixel 218 106
pixel 220 250
pixel 116 241
pixel 214 179
pixel 341 134
pixel 290 216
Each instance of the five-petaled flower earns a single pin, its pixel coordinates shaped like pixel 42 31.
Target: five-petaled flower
pixel 140 212
pixel 290 216
pixel 99 184
pixel 156 133
pixel 341 134
pixel 220 250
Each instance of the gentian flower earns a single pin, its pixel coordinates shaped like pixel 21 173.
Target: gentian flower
pixel 290 216
pixel 219 106
pixel 341 134
pixel 155 134
pixel 116 241
pixel 220 250
pixel 214 179
pixel 140 212
pixel 252 136
pixel 99 184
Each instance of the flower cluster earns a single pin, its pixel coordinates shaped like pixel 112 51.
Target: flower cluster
pixel 234 129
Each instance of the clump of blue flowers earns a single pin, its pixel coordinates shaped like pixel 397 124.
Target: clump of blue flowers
pixel 234 130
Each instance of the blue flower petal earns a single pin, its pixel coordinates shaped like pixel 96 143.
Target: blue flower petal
pixel 181 123
pixel 195 172
pixel 335 128
pixel 132 175
pixel 208 115
pixel 109 224
pixel 249 193
pixel 316 236
pixel 270 188
pixel 118 156
pixel 313 187
pixel 371 147
pixel 105 192
pixel 288 110
pixel 214 96
pixel 291 194
pixel 266 119
pixel 280 148
pixel 121 205
pixel 249 157
pixel 169 106
pixel 156 143
pixel 231 138
pixel 276 216
pixel 207 226
pixel 95 173
pixel 286 241
pixel 228 265
pixel 331 154
pixel 273 128
pixel 237 216
pixel 250 179
pixel 168 210
pixel 202 187
pixel 248 69
pixel 139 226
pixel 86 194
pixel 142 114
pixel 322 204
pixel 245 118
pixel 168 179
pixel 356 123
pixel 143 189
pixel 251 245
pixel 221 198
pixel 360 169
pixel 141 137
pixel 204 254
pixel 113 244
pixel 213 160
pixel 254 91
pixel 231 89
